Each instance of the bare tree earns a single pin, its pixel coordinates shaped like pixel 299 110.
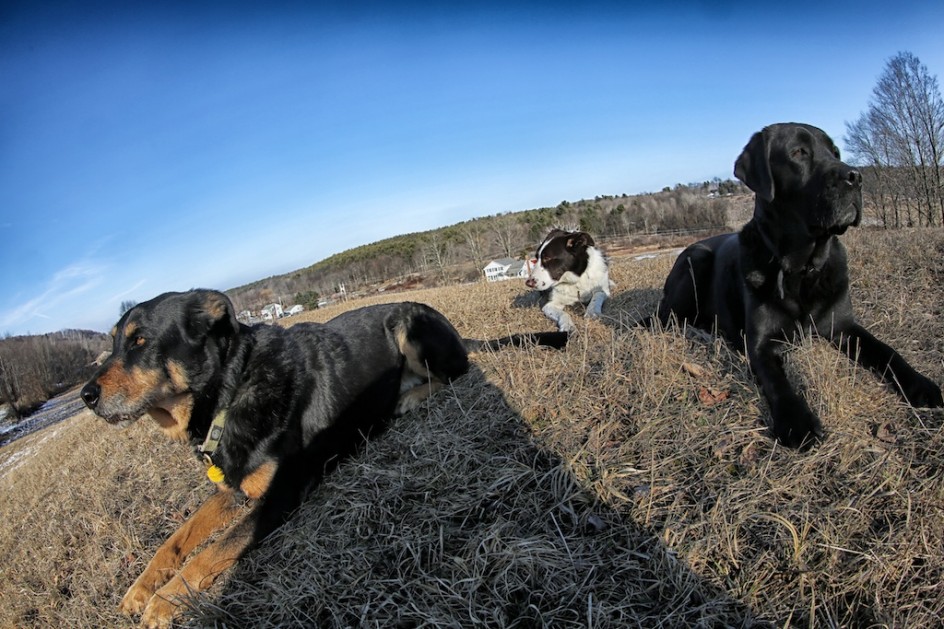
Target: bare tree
pixel 437 252
pixel 506 232
pixel 473 234
pixel 35 368
pixel 8 386
pixel 902 131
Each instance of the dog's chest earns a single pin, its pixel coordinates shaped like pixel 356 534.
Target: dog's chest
pixel 800 296
pixel 573 288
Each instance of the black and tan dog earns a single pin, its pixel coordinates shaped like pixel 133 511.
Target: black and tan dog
pixel 786 271
pixel 269 408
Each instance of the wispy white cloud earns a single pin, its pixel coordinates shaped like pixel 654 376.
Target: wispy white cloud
pixel 127 291
pixel 63 286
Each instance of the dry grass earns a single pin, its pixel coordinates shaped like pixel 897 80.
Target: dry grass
pixel 626 481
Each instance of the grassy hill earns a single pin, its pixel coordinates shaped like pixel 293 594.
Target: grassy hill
pixel 457 253
pixel 625 482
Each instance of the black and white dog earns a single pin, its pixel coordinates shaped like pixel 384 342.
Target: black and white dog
pixel 569 269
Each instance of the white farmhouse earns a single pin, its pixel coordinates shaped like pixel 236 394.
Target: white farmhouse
pixel 272 312
pixel 506 269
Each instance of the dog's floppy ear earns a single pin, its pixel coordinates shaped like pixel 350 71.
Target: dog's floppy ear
pixel 209 313
pixel 753 166
pixel 579 239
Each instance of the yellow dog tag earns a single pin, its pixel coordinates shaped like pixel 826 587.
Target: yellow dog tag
pixel 215 474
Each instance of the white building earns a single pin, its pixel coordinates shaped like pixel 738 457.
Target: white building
pixel 507 269
pixel 272 312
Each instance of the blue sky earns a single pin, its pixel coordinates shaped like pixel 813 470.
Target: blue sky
pixel 213 144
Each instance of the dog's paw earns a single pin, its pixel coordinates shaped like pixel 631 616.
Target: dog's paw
pixel 135 600
pixel 923 393
pixel 567 325
pixel 593 314
pixel 159 614
pixel 795 425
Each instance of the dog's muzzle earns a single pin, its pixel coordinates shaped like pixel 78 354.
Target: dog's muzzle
pixel 842 200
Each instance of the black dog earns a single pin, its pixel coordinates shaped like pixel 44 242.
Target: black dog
pixel 786 271
pixel 270 409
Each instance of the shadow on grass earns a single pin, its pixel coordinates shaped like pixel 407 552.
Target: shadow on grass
pixel 625 309
pixel 622 309
pixel 455 516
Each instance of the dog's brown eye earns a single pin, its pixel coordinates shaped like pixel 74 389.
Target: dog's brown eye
pixel 138 341
pixel 799 153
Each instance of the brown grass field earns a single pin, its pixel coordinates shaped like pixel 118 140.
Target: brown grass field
pixel 624 482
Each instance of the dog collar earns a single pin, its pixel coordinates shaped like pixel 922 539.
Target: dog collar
pixel 213 437
pixel 214 473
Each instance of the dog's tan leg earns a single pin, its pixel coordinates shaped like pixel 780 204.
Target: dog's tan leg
pixel 212 515
pixel 202 570
pixel 412 398
pixel 199 574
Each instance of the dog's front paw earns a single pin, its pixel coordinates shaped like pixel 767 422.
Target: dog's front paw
pixel 593 314
pixel 567 325
pixel 922 393
pixel 159 614
pixel 135 599
pixel 795 425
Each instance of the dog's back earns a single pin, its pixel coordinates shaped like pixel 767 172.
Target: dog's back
pixel 694 293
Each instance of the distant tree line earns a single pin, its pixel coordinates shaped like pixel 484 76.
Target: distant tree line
pixel 899 142
pixel 459 252
pixel 36 368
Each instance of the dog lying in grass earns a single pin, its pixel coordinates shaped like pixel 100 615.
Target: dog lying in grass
pixel 267 408
pixel 786 271
pixel 569 269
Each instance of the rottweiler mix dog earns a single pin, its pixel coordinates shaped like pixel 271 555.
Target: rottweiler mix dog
pixel 786 271
pixel 268 409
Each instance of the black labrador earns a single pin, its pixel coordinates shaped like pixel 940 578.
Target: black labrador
pixel 786 271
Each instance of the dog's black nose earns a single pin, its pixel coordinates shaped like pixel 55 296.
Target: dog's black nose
pixel 854 177
pixel 530 282
pixel 90 394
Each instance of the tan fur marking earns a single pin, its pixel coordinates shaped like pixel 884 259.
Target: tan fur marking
pixel 199 574
pixel 132 384
pixel 130 329
pixel 143 380
pixel 173 416
pixel 178 376
pixel 213 515
pixel 415 396
pixel 114 331
pixel 257 482
pixel 111 381
pixel 409 352
pixel 215 307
